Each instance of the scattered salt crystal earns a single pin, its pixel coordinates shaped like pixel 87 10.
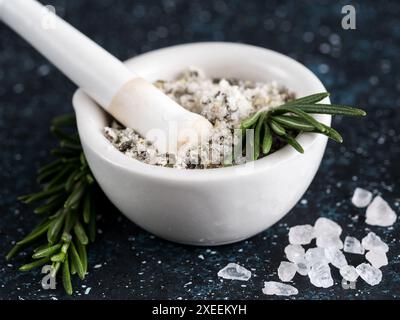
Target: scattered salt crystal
pixel 303 267
pixel 320 275
pixel 234 272
pixel 97 266
pixel 379 213
pixel 302 234
pixel 325 226
pixel 373 242
pixel 336 257
pixel 294 252
pixel 314 255
pixel 348 273
pixel 329 241
pixel 353 245
pixel 377 258
pixel 369 274
pixel 287 271
pixel 361 198
pixel 87 291
pixel 279 289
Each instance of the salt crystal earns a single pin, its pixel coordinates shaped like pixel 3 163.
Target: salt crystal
pixel 336 257
pixel 373 242
pixel 303 267
pixel 234 272
pixel 377 258
pixel 294 252
pixel 279 289
pixel 325 226
pixel 314 255
pixel 361 198
pixel 301 234
pixel 379 213
pixel 369 274
pixel 329 241
pixel 286 271
pixel 349 273
pixel 353 245
pixel 320 275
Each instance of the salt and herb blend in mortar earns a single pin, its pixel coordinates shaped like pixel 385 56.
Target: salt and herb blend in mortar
pixel 224 102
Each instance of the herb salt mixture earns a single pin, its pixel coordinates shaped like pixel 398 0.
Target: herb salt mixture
pixel 224 102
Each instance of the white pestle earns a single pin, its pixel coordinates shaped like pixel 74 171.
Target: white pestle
pixel 130 99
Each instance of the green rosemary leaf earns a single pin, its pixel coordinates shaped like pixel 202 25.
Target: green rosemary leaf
pixel 61 135
pixel 47 251
pixel 70 220
pixel 70 145
pixel 80 233
pixel 41 195
pixel 55 164
pixel 55 266
pixel 48 174
pixel 276 127
pixel 36 233
pixel 76 195
pixel 310 119
pixel 66 277
pixel 13 252
pixel 80 175
pixel 35 264
pixel 267 140
pixel 50 206
pixel 64 153
pixel 83 159
pixel 294 122
pixel 293 142
pixel 72 266
pixel 333 134
pixel 333 109
pixel 64 120
pixel 81 248
pixel 43 246
pixel 89 178
pixel 58 178
pixel 257 136
pixel 71 180
pixel 55 227
pixel 311 99
pixel 248 123
pixel 86 208
pixel 77 262
pixel 59 257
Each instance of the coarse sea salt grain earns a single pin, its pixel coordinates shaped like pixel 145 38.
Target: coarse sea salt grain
pixel 379 213
pixel 324 226
pixel 279 289
pixel 361 198
pixel 314 255
pixel 349 273
pixel 336 257
pixel 369 274
pixel 377 258
pixel 373 242
pixel 234 271
pixel 302 234
pixel 287 271
pixel 329 241
pixel 353 245
pixel 303 267
pixel 320 275
pixel 294 252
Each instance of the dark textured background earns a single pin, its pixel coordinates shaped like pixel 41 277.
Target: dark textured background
pixel 357 66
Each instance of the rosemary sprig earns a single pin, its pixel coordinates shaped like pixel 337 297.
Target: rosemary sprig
pixel 61 239
pixel 284 123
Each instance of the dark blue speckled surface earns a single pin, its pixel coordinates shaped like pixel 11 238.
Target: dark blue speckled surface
pixel 358 66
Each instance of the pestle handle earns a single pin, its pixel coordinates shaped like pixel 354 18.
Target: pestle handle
pixel 83 61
